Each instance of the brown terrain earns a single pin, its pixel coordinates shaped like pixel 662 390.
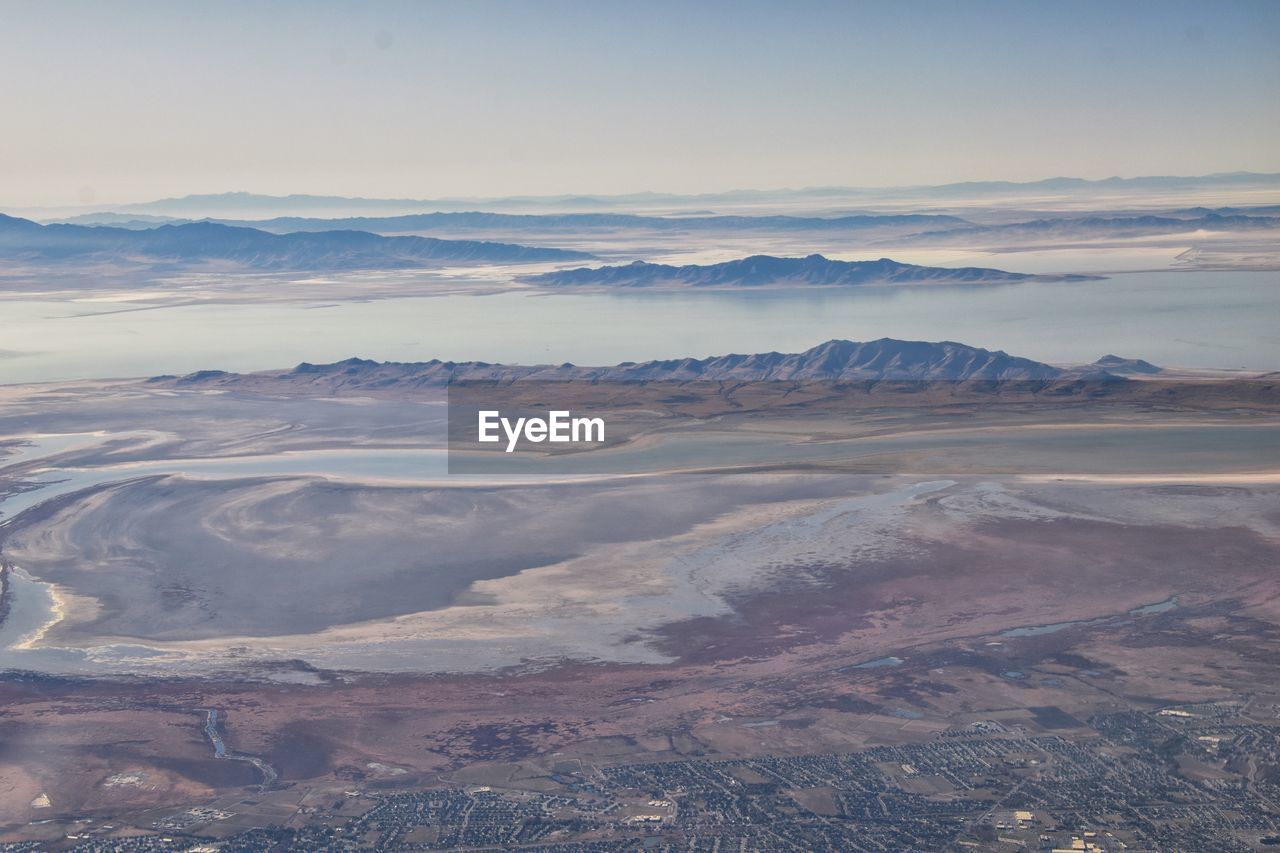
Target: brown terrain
pixel 833 605
pixel 790 654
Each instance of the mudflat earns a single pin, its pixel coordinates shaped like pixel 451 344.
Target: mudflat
pixel 832 576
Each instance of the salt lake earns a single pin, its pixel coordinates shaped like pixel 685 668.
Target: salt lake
pixel 1175 318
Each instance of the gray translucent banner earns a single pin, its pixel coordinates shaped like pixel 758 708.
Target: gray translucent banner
pixel 1067 426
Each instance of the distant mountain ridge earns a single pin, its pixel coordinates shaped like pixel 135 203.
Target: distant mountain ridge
pixel 24 240
pixel 1113 226
pixel 765 270
pixel 1126 366
pixel 1136 182
pixel 243 204
pixel 477 220
pixel 880 360
pixel 913 227
pixel 1250 210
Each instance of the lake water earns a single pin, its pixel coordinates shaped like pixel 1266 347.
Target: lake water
pixel 878 663
pixel 1188 319
pixel 1055 627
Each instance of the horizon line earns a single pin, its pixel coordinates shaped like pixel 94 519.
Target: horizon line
pixel 94 206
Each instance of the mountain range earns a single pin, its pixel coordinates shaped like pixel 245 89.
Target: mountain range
pixel 1126 366
pixel 490 221
pixel 254 205
pixel 885 359
pixel 887 228
pixel 1110 226
pixel 767 270
pixel 202 242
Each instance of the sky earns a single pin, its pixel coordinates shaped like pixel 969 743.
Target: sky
pixel 129 101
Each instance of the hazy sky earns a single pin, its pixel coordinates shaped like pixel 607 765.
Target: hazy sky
pixel 120 101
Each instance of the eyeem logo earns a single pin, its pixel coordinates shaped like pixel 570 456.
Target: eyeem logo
pixel 559 427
